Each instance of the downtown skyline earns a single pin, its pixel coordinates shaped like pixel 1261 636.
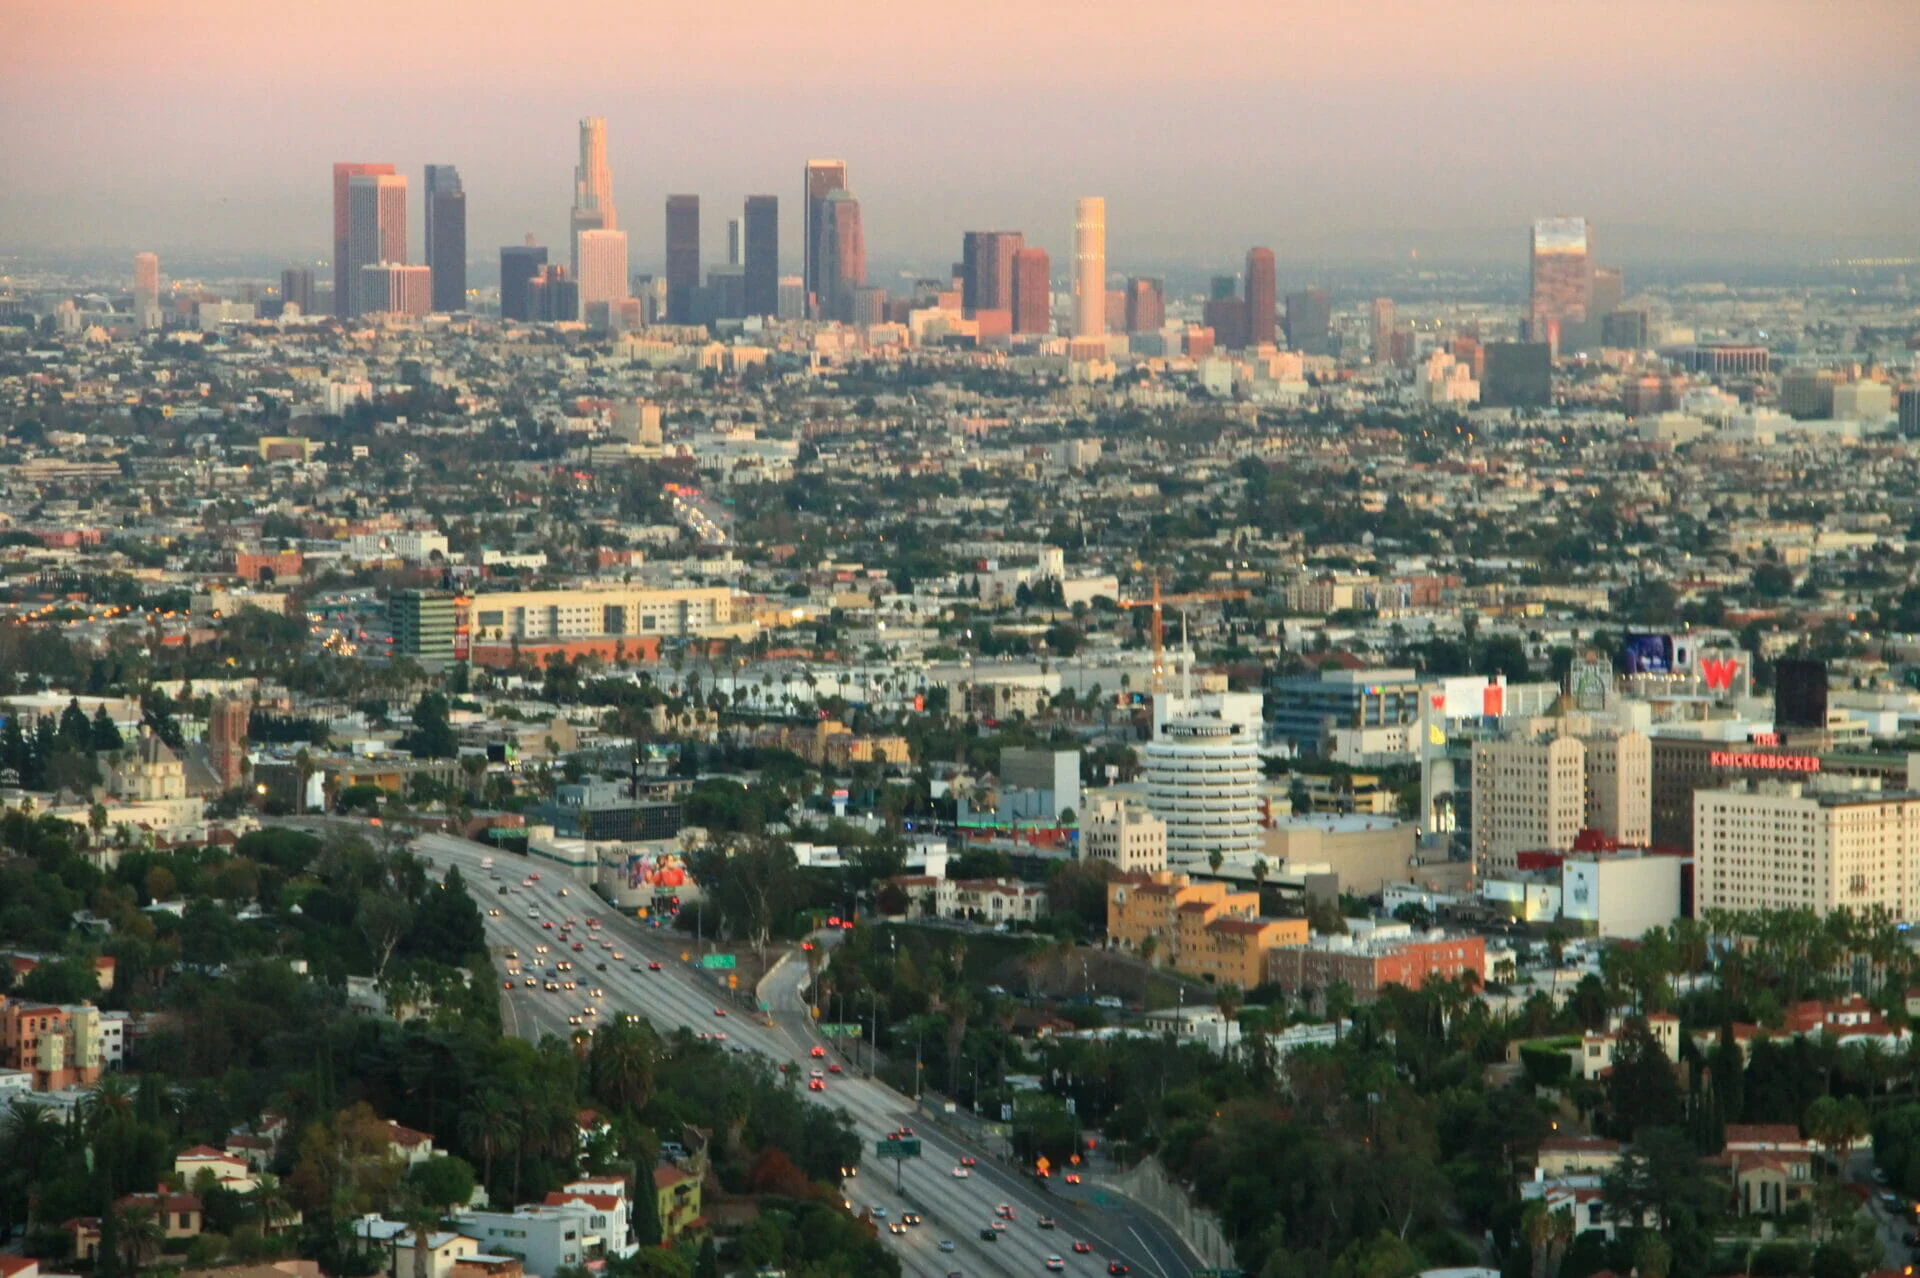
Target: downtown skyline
pixel 1413 147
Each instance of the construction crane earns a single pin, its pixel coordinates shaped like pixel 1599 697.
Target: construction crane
pixel 1157 602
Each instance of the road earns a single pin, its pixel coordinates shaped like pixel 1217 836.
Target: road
pixel 678 996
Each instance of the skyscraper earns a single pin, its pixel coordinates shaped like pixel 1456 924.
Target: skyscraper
pixel 823 178
pixel 1381 331
pixel 1261 296
pixel 394 288
pixel 760 254
pixel 146 289
pixel 376 228
pixel 603 274
pixel 592 186
pixel 552 298
pixel 519 263
pixel 733 241
pixel 1146 309
pixel 343 174
pixel 1227 317
pixel 683 256
pixel 986 274
pixel 1561 278
pixel 1031 294
pixel 1090 267
pixel 1310 322
pixel 840 253
pixel 446 245
pixel 296 288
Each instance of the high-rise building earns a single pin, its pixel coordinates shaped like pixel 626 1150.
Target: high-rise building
pixel 760 254
pixel 1146 306
pixel 840 255
pixel 1203 780
pixel 1518 375
pixel 823 178
pixel 1031 291
pixel 683 256
pixel 1818 845
pixel 986 270
pixel 146 289
pixel 1090 267
pixel 1310 322
pixel 296 288
pixel 790 302
pixel 1380 330
pixel 1909 411
pixel 394 288
pixel 1261 297
pixel 603 273
pixel 552 297
pixel 422 622
pixel 343 175
pixel 1529 795
pixel 376 229
pixel 733 242
pixel 592 187
pixel 1560 291
pixel 1227 317
pixel 446 246
pixel 227 740
pixel 519 263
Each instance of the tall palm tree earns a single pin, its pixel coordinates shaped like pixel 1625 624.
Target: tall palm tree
pixel 141 1237
pixel 489 1125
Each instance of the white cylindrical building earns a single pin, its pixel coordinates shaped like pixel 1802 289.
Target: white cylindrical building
pixel 1090 267
pixel 1203 781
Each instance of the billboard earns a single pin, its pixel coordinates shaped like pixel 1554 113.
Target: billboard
pixel 1799 693
pixel 1647 653
pixel 1471 697
pixel 655 870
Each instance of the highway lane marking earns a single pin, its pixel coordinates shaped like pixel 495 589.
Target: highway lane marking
pixel 1146 1250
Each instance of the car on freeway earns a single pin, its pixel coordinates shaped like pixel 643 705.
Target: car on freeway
pixel 906 1131
pixel 946 1244
pixel 573 1020
pixel 540 948
pixel 878 1212
pixel 719 1011
pixel 817 1053
pixel 565 965
pixel 1118 1268
pixel 509 984
pixel 999 1226
pixel 1056 1264
pixel 548 925
pixel 989 1235
pixel 566 985
pixel 834 1068
pixel 504 889
pixel 911 1218
pixel 577 947
pixel 961 1173
pixel 553 987
pixel 618 956
pixel 597 992
pixel 653 967
pixel 1081 1246
pixel 1048 1222
pixel 563 892
pixel 593 922
pixel 1005 1212
pixel 494 913
pixel 816 1084
pixel 530 981
pixel 896 1228
pixel 968 1161
pixel 1073 1178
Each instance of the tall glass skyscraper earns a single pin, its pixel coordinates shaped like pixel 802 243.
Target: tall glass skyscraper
pixel 683 256
pixel 592 187
pixel 824 177
pixel 343 174
pixel 1562 278
pixel 1090 267
pixel 761 254
pixel 446 246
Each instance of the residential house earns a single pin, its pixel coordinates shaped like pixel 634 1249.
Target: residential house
pixel 409 1146
pixel 228 1171
pixel 1768 1166
pixel 396 1241
pixel 678 1191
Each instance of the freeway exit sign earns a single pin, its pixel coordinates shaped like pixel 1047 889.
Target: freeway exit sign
pixel 719 962
pixel 902 1147
pixel 839 1029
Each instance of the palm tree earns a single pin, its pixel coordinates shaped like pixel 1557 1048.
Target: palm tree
pixel 141 1237
pixel 488 1126
pixel 271 1203
pixel 31 1139
pixel 1215 859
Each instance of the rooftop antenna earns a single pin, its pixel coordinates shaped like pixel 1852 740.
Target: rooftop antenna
pixel 1186 660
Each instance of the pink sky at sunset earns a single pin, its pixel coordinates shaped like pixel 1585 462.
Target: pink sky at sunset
pixel 208 124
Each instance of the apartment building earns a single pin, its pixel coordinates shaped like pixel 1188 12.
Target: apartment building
pixel 1235 951
pixel 1130 839
pixel 1163 907
pixel 1816 845
pixel 1529 795
pixel 588 611
pixel 69 1046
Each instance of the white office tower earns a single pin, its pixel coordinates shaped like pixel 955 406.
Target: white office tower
pixel 1203 780
pixel 1090 267
pixel 592 187
pixel 146 289
pixel 603 274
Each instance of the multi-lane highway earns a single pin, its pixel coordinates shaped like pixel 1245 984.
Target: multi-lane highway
pixel 953 1208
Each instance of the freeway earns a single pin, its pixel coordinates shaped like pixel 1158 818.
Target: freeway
pixel 953 1207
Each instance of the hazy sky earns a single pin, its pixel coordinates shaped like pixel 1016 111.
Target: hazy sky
pixel 1332 127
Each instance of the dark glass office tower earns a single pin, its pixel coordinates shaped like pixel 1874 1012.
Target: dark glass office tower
pixel 683 256
pixel 762 255
pixel 447 237
pixel 519 263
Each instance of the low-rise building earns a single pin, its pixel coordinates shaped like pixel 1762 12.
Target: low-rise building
pixel 1130 839
pixel 1368 963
